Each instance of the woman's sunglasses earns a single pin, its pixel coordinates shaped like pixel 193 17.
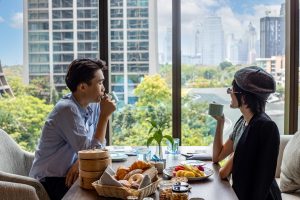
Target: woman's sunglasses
pixel 230 91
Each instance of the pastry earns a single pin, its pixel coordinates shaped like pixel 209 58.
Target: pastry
pixel 136 179
pixel 136 171
pixel 139 164
pixel 122 172
pixel 125 183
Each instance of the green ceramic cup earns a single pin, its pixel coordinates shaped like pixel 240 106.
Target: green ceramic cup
pixel 215 109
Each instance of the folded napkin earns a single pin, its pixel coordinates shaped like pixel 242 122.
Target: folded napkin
pixel 145 182
pixel 200 156
pixel 108 178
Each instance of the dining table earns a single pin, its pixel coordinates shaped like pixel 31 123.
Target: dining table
pixel 211 188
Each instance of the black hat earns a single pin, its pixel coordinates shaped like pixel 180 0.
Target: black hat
pixel 255 80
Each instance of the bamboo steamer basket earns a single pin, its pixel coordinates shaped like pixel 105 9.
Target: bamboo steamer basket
pixel 86 183
pixel 94 165
pixel 94 160
pixel 92 154
pixel 85 174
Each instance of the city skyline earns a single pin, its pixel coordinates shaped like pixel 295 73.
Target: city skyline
pixel 238 15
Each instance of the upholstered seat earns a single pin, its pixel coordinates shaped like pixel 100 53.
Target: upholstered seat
pixel 15 165
pixel 16 191
pixel 283 142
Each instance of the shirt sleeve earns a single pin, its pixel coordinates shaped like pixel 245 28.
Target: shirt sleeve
pixel 73 130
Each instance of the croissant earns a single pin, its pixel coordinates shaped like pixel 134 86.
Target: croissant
pixel 139 164
pixel 122 172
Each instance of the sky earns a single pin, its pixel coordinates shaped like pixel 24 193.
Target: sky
pixel 238 15
pixel 11 32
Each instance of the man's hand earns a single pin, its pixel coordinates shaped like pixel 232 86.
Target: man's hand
pixel 72 174
pixel 107 107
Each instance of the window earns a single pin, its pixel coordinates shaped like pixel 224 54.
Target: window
pixel 87 24
pixel 117 46
pixel 90 35
pixel 63 57
pixel 88 46
pixel 87 3
pixel 38 58
pixel 137 23
pixel 37 69
pixel 116 24
pixel 39 47
pixel 137 3
pixel 117 67
pixel 116 35
pixel 62 14
pixel 137 35
pixel 116 3
pixel 38 36
pixel 138 57
pixel 60 68
pixel 34 26
pixel 57 25
pixel 87 13
pixel 117 57
pixel 62 35
pixel 137 12
pixel 138 46
pixel 62 3
pixel 37 4
pixel 115 13
pixel 37 14
pixel 62 47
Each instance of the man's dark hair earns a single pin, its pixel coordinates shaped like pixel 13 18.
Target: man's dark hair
pixel 82 71
pixel 253 102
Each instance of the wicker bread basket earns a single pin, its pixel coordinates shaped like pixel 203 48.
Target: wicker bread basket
pixel 123 192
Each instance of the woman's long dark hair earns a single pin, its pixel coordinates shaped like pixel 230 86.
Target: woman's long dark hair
pixel 253 102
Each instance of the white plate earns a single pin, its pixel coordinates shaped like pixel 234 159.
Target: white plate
pixel 192 162
pixel 168 172
pixel 118 157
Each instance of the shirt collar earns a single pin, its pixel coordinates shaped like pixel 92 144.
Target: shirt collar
pixel 85 112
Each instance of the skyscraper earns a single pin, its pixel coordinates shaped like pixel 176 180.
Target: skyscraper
pixel 272 36
pixel 133 41
pixel 212 41
pixel 55 33
pixel 58 31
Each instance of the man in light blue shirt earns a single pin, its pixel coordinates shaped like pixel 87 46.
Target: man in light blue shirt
pixel 75 123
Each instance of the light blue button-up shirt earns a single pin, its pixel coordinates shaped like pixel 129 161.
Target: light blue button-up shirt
pixel 68 129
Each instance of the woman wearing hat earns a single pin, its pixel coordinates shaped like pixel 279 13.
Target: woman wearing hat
pixel 254 143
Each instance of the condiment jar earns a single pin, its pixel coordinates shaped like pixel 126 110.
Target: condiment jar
pixel 132 198
pixel 180 193
pixel 165 190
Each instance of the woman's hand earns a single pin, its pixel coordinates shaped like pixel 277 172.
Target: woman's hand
pixel 72 174
pixel 220 119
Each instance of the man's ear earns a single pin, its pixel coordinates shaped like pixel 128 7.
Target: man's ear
pixel 82 86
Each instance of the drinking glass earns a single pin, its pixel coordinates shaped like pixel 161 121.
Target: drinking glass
pixel 173 149
pixel 143 153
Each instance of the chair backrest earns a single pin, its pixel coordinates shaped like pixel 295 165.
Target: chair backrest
pixel 284 139
pixel 12 158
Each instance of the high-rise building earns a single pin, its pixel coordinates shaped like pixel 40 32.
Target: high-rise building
pixel 232 52
pixel 133 42
pixel 168 46
pixel 272 37
pixel 59 31
pixel 212 35
pixel 252 39
pixel 55 33
pixel 4 87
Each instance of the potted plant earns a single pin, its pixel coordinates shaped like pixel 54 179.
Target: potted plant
pixel 157 129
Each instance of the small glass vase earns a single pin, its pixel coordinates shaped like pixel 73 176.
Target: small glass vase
pixel 159 152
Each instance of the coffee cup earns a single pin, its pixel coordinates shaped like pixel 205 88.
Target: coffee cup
pixel 215 109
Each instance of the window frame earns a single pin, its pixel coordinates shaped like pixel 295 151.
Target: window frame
pixel 291 64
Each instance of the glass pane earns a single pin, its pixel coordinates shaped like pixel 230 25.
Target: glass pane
pixel 141 81
pixel 217 40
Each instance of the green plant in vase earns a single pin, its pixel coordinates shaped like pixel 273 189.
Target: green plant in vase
pixel 157 129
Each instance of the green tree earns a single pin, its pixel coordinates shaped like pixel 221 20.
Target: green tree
pixel 23 118
pixel 223 65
